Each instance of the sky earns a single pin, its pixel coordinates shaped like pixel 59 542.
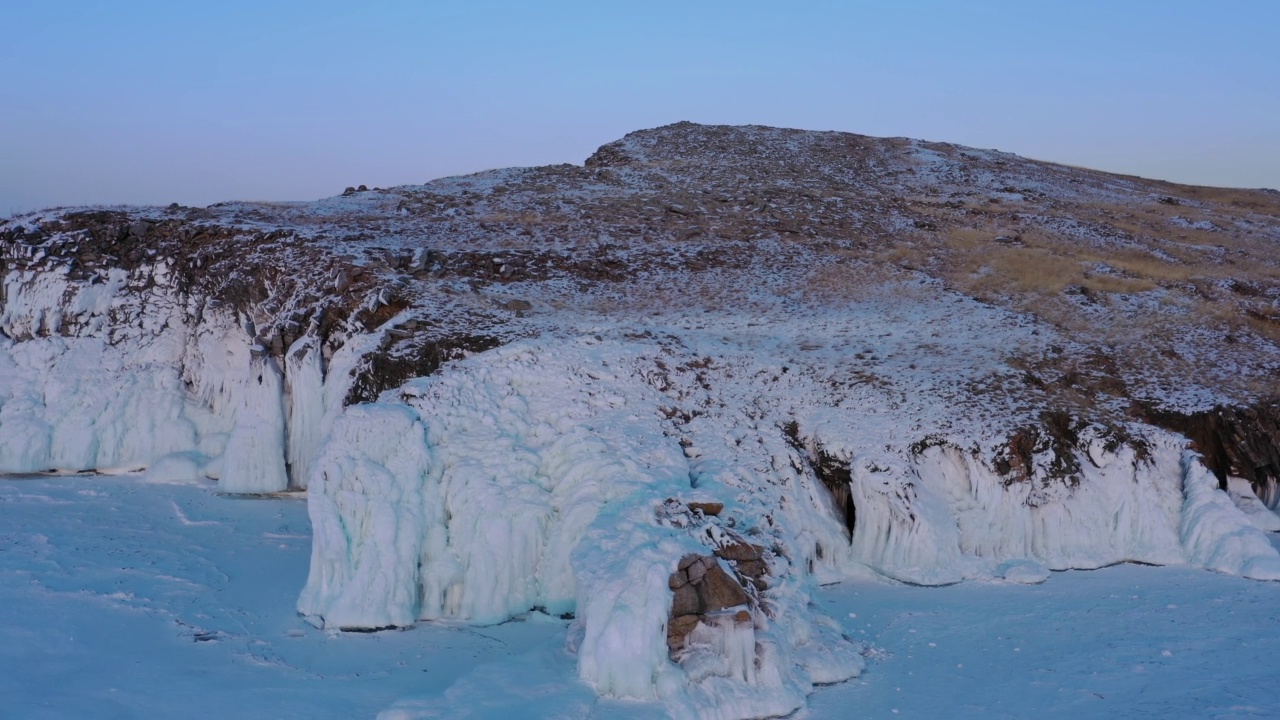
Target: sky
pixel 157 102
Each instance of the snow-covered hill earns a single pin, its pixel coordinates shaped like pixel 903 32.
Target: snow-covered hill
pixel 671 391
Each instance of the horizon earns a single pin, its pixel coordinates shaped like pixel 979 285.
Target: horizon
pixel 148 104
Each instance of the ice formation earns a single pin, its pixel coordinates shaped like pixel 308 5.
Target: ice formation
pixel 544 472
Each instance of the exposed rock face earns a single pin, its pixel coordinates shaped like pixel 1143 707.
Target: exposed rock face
pixel 1235 441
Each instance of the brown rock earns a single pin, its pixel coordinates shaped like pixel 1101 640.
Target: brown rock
pixel 742 616
pixel 678 629
pixel 709 509
pixel 719 590
pixel 741 551
pixel 678 580
pixel 697 570
pixel 688 560
pixel 752 568
pixel 686 601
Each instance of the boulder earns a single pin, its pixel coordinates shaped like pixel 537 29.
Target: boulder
pixel 709 509
pixel 686 601
pixel 697 571
pixel 741 551
pixel 719 590
pixel 754 569
pixel 678 580
pixel 678 629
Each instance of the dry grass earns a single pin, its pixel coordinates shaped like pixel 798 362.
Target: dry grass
pixel 1138 249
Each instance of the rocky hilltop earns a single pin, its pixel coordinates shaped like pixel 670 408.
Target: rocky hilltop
pixel 530 387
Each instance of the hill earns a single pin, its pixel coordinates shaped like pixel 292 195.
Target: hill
pixel 669 390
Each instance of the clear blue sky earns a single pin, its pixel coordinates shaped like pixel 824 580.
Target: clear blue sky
pixel 158 102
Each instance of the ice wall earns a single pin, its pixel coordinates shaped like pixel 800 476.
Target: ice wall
pixel 375 516
pixel 78 394
pixel 539 483
pixel 304 373
pixel 125 372
pixel 545 467
pixel 254 460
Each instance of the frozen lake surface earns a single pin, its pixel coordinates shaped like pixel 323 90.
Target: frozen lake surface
pixel 127 599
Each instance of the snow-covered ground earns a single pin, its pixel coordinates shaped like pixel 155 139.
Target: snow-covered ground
pixel 128 599
pixel 125 598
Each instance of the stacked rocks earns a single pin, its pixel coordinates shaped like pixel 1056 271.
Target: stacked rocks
pixel 702 585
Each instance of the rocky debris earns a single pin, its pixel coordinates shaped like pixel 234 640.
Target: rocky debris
pixel 1056 437
pixel 140 228
pixel 678 629
pixel 699 586
pixel 516 305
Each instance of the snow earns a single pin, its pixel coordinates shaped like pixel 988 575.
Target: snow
pixel 127 599
pixel 1122 641
pixel 1023 571
pixel 187 596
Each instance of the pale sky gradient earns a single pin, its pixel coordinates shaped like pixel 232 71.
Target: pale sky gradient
pixel 159 102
